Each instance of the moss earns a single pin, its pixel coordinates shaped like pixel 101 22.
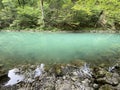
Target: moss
pixel 100 72
pixel 106 87
pixel 77 63
pixel 47 68
pixel 1 65
pixel 58 69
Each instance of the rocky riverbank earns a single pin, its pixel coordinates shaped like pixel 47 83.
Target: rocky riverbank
pixel 68 31
pixel 73 76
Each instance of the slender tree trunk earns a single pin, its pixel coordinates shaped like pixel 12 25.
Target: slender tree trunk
pixel 19 2
pixel 42 11
pixel 1 4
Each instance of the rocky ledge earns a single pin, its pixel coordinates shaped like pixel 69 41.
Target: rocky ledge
pixel 75 76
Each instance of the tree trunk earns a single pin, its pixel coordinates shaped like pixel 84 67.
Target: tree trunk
pixel 1 5
pixel 42 11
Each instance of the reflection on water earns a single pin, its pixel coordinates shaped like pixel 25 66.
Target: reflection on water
pixel 24 47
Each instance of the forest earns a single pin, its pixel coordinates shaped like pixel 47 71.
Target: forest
pixel 58 15
pixel 59 44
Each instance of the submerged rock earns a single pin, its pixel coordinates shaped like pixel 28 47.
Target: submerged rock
pixel 85 71
pixel 66 77
pixel 1 66
pixel 106 87
pixel 39 70
pixel 99 72
pixel 63 85
pixel 2 72
pixel 118 87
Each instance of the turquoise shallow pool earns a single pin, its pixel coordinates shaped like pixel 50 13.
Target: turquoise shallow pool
pixel 20 47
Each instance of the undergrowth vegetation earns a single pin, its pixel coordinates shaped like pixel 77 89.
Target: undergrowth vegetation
pixel 59 14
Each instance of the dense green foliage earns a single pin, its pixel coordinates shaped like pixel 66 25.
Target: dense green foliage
pixel 59 14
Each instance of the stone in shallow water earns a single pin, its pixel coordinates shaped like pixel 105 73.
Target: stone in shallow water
pixel 106 87
pixel 39 70
pixel 118 87
pixel 63 85
pixel 1 65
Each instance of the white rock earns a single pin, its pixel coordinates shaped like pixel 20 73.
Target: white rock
pixel 42 66
pixel 75 73
pixel 39 70
pixel 14 77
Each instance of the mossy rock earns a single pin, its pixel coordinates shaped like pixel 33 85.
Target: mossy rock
pixel 57 68
pixel 47 68
pixel 106 87
pixel 1 66
pixel 77 63
pixel 3 72
pixel 99 72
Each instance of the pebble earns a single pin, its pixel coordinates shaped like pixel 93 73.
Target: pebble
pixel 106 87
pixel 64 77
pixel 95 85
pixel 75 73
pixel 118 87
pixel 74 78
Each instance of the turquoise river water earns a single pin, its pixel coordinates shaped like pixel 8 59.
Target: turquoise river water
pixel 21 47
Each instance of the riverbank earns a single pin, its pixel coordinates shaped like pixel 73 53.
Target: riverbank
pixel 67 31
pixel 72 76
